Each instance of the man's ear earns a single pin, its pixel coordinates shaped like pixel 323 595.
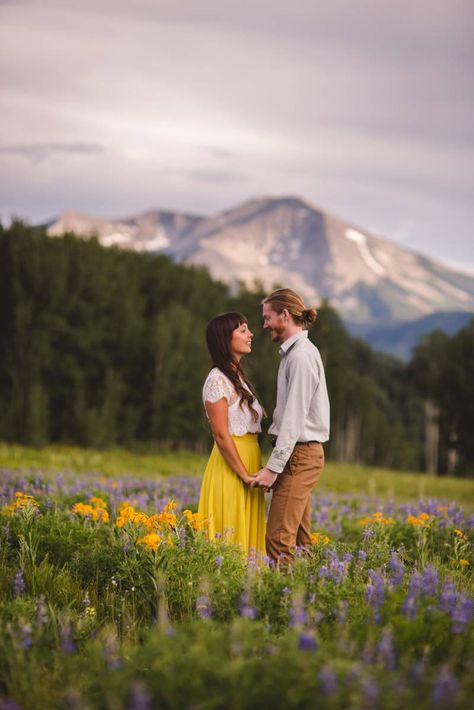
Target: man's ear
pixel 285 312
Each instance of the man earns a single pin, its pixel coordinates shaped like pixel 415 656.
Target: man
pixel 300 425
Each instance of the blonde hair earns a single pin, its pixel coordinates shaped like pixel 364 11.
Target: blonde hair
pixel 286 298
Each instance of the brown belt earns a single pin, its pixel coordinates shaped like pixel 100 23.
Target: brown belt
pixel 300 443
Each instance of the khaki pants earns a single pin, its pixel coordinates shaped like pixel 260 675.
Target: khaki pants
pixel 289 517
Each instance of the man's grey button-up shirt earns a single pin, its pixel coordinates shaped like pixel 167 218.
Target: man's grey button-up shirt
pixel 302 407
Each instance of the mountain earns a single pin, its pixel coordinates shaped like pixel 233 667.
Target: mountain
pixel 399 339
pixel 152 231
pixel 367 278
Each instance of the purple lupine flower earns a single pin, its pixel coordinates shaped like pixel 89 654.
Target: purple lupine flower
pixel 67 644
pixel 347 558
pixel 323 572
pixel 429 581
pixel 375 592
pixel 19 585
pixel 448 596
pixel 415 586
pixel 337 570
pixel 26 640
pixel 140 698
pixel 370 691
pixel 396 570
pixel 8 704
pixel 445 688
pixel 367 654
pixel 110 652
pixel 219 560
pixel 462 614
pixel 247 610
pixel 328 680
pixel 361 556
pixel 341 611
pixel 181 537
pixel 203 607
pixel 418 670
pixel 386 651
pixel 298 613
pixel 307 642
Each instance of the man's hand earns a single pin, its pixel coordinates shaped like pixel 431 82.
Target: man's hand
pixel 264 479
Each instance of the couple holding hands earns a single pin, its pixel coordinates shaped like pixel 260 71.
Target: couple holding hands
pixel 232 493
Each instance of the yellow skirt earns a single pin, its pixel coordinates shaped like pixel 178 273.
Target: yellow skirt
pixel 234 511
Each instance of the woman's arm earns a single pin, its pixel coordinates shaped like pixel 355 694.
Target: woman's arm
pixel 218 418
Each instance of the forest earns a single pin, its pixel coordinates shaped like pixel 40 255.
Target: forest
pixel 102 347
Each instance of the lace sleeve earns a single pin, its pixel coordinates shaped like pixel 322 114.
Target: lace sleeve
pixel 217 386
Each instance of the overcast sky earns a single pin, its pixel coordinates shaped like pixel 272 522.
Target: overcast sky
pixel 366 109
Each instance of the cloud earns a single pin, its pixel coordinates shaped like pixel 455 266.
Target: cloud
pixel 216 176
pixel 363 107
pixel 37 152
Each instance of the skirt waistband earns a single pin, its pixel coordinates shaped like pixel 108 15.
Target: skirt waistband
pixel 245 437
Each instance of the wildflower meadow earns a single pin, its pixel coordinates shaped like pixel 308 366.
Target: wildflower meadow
pixel 113 597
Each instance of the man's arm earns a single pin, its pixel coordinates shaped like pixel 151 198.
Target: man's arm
pixel 303 380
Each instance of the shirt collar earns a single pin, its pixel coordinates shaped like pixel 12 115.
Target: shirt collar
pixel 288 344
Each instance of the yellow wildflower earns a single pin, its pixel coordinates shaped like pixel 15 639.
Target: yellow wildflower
pixel 319 539
pixel 98 502
pixel 166 519
pixel 195 520
pixel 22 501
pixel 128 514
pixel 418 521
pixel 151 541
pixel 464 563
pixel 460 534
pixel 377 518
pixel 90 611
pixel 87 511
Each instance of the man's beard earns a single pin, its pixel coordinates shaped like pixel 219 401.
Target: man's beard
pixel 277 333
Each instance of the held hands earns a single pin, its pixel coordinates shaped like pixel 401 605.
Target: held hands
pixel 264 479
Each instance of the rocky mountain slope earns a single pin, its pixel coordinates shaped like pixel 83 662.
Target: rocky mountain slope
pixel 287 241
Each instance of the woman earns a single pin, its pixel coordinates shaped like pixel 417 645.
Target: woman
pixel 233 509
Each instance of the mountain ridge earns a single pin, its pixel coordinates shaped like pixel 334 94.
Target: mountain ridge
pixel 288 241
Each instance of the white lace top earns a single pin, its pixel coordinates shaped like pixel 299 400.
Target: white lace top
pixel 218 385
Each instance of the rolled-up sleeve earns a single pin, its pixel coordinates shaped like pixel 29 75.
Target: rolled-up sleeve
pixel 302 382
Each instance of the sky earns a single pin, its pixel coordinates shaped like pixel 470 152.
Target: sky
pixel 365 109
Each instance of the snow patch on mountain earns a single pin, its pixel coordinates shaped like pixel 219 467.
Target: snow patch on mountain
pixel 361 241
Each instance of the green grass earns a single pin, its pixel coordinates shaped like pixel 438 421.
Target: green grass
pixel 337 477
pixel 107 462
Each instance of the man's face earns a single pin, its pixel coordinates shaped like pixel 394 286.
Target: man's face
pixel 275 323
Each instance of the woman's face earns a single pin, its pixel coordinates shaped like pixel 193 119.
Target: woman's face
pixel 241 341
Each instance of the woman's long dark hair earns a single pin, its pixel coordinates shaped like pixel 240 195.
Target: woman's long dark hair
pixel 218 336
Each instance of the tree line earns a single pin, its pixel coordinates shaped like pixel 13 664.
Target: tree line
pixel 103 347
